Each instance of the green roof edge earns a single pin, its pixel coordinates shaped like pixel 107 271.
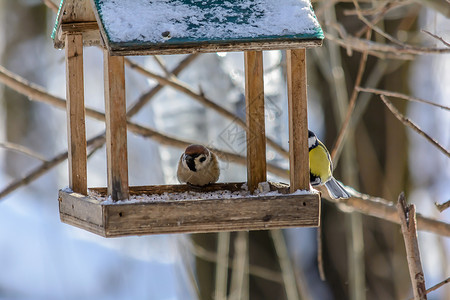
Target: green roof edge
pixel 55 28
pixel 317 35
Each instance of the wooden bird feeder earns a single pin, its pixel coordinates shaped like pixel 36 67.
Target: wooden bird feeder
pixel 174 27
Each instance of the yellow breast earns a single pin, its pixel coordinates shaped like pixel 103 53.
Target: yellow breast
pixel 319 163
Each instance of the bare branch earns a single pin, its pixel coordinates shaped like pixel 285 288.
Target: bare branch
pixel 341 136
pixel 223 247
pixel 437 37
pixel 383 209
pixel 443 206
pixel 377 49
pixel 46 166
pixel 401 96
pixel 287 270
pixel 184 88
pixel 36 92
pixel 239 277
pixel 407 215
pixel 21 149
pixel 253 270
pixel 145 98
pixel 363 203
pixel 320 264
pixel 436 286
pixel 33 175
pixel 410 124
pixel 162 65
pixel 376 28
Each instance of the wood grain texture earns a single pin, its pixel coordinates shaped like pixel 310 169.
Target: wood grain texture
pixel 79 27
pixel 254 104
pixel 81 211
pixel 116 127
pixel 212 215
pixel 298 120
pixel 76 131
pixel 209 47
pixel 183 216
pixel 89 30
pixel 72 11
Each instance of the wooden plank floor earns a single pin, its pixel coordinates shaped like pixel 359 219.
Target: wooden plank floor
pixel 124 218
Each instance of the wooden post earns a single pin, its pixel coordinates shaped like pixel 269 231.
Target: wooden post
pixel 116 126
pixel 76 128
pixel 256 136
pixel 298 120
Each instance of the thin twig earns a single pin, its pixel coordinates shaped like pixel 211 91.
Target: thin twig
pixel 389 6
pixel 43 168
pixel 383 209
pixel 372 47
pixel 435 287
pixel 407 215
pixel 35 92
pixel 287 270
pixel 410 124
pixel 401 96
pixel 335 153
pixel 253 270
pixel 187 266
pixel 376 28
pixel 437 37
pixel 443 206
pixel 184 88
pixel 34 174
pixel 162 65
pixel 23 150
pixel 363 203
pixel 145 98
pixel 320 264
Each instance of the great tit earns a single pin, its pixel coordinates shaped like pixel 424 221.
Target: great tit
pixel 321 168
pixel 198 166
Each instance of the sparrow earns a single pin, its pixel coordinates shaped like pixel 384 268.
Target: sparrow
pixel 198 166
pixel 321 168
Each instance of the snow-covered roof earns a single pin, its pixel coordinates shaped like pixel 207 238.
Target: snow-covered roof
pixel 178 26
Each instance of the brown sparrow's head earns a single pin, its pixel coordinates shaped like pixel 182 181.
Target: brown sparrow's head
pixel 196 157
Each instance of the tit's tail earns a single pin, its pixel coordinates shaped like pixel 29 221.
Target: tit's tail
pixel 335 189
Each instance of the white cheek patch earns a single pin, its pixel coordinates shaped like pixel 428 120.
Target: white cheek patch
pixel 201 164
pixel 311 141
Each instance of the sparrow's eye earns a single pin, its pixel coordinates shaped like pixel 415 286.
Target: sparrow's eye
pixel 202 159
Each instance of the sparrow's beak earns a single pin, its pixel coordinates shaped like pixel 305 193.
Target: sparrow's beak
pixel 190 162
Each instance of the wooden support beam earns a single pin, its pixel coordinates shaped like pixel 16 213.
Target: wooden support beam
pixel 76 128
pixel 256 136
pixel 116 126
pixel 298 120
pixel 79 27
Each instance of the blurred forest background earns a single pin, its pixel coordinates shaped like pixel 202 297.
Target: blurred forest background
pixel 394 46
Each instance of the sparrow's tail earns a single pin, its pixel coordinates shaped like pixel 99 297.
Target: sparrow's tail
pixel 335 189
